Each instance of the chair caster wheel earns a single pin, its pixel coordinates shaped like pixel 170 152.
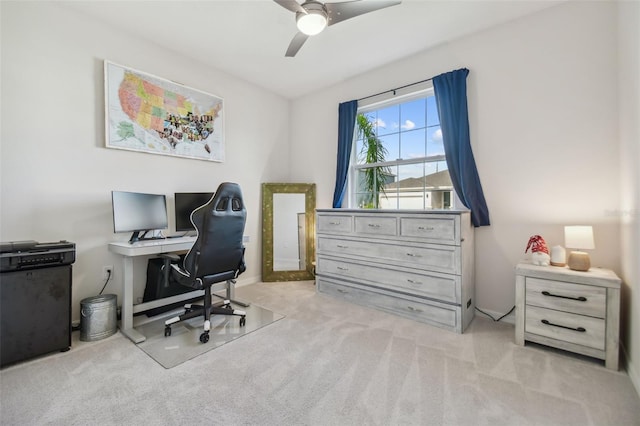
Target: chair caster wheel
pixel 167 331
pixel 243 321
pixel 204 337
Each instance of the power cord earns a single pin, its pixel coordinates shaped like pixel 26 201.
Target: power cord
pixel 106 282
pixel 496 320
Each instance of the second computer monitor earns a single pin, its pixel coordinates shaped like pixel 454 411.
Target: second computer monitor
pixel 185 203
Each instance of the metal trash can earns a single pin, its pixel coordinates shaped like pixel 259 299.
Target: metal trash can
pixel 98 317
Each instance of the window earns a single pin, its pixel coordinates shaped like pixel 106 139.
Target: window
pixel 398 160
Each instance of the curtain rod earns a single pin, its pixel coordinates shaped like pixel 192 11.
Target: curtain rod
pixel 394 90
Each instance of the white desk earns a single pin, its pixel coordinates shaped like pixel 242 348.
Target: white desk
pixel 146 248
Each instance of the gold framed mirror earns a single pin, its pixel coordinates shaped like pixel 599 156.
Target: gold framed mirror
pixel 288 229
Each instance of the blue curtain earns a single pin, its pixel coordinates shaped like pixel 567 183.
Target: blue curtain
pixel 346 124
pixel 451 99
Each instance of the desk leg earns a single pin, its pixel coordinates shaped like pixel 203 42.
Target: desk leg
pixel 126 322
pixel 231 293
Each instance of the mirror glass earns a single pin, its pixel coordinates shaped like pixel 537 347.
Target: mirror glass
pixel 288 219
pixel 288 232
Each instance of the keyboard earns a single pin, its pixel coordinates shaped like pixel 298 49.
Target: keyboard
pixel 164 241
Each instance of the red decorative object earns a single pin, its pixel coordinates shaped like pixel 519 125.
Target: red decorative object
pixel 537 243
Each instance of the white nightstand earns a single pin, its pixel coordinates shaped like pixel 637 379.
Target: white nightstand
pixel 570 310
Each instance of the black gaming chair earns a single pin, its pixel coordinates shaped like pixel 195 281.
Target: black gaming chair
pixel 216 256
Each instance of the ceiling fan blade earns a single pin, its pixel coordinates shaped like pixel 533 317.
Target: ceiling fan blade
pixel 296 44
pixel 291 5
pixel 339 12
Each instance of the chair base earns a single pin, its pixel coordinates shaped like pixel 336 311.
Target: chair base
pixel 193 311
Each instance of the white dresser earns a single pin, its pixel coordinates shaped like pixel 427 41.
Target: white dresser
pixel 571 310
pixel 416 264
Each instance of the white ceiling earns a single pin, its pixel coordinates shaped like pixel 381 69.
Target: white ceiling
pixel 248 38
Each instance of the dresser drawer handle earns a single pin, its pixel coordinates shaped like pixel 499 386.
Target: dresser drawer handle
pixel 579 299
pixel 373 225
pixel 340 268
pixel 341 246
pixel 579 329
pixel 411 308
pixel 414 282
pixel 413 255
pixel 334 223
pixel 342 291
pixel 425 228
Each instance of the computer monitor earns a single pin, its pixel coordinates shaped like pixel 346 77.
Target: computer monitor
pixel 138 213
pixel 185 203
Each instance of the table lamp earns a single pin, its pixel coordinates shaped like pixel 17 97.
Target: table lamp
pixel 579 238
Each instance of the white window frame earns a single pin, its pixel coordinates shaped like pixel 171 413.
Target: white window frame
pixel 418 91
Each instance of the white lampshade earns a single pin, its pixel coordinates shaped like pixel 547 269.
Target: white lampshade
pixel 579 237
pixel 311 23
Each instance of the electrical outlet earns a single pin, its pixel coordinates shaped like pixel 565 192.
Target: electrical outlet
pixel 107 272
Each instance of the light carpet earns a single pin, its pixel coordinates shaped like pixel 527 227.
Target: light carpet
pixel 184 343
pixel 327 363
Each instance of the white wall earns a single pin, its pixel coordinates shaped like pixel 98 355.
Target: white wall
pixel 542 95
pixel 629 91
pixel 57 176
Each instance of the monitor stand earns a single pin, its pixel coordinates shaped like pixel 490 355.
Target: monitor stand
pixel 135 237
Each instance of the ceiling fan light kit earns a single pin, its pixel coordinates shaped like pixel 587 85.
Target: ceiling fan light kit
pixel 314 21
pixel 312 16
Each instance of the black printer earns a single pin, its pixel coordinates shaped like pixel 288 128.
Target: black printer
pixel 19 255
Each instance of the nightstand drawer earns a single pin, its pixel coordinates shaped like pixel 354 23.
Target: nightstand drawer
pixel 566 327
pixel 373 225
pixel 435 230
pixel 334 224
pixel 562 296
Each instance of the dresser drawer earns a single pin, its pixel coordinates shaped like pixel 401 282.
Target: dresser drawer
pixel 419 311
pixel 440 230
pixel 433 285
pixel 337 224
pixel 569 297
pixel 440 258
pixel 566 327
pixel 376 225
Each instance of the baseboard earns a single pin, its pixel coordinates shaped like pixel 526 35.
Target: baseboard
pixel 243 280
pixel 509 319
pixel 632 371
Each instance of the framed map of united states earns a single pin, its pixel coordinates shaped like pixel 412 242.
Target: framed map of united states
pixel 151 114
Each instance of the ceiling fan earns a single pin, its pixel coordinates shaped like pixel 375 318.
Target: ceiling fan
pixel 313 16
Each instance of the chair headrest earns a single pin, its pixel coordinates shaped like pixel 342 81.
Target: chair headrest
pixel 228 197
